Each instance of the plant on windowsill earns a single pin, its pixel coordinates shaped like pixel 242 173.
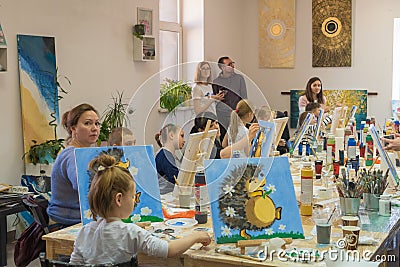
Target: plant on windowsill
pixel 114 116
pixel 46 152
pixel 174 93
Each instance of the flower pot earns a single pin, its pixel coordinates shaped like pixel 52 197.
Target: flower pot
pixel 349 206
pixel 371 201
pixel 140 29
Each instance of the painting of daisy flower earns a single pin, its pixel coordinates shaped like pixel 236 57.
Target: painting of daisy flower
pixel 139 160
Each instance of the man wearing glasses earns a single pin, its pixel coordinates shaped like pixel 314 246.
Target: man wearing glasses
pixel 234 88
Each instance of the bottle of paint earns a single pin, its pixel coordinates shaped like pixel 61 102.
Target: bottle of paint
pixel 369 150
pixel 306 197
pixel 351 147
pixel 384 205
pixel 201 197
pixel 330 147
pixel 347 133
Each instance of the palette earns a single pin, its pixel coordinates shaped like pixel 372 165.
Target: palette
pixel 181 222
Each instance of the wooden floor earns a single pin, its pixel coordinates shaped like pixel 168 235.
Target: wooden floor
pixel 10 257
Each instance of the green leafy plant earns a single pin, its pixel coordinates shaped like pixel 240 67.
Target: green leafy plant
pixel 139 30
pixel 114 116
pixel 46 152
pixel 173 93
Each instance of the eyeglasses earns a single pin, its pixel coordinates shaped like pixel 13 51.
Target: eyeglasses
pixel 230 64
pixel 136 197
pixel 206 68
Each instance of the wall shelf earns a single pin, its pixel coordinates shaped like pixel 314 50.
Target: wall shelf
pixel 144 50
pixel 3 51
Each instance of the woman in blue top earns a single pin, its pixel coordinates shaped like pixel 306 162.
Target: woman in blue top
pixel 83 127
pixel 170 138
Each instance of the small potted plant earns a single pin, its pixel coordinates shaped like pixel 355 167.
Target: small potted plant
pixel 114 116
pixel 174 93
pixel 139 31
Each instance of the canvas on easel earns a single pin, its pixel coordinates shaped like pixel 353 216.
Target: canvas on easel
pixel 280 124
pixel 384 156
pixel 252 198
pixel 140 162
pixel 198 149
pixel 298 136
pixel 339 115
pixel 262 143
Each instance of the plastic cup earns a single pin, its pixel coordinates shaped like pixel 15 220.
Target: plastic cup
pixel 323 233
pixel 350 235
pixel 184 201
pixel 349 220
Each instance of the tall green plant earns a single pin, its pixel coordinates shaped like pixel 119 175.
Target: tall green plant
pixel 114 116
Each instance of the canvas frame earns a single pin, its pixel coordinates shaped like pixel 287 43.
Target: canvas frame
pixel 197 150
pixel 280 124
pixel 145 16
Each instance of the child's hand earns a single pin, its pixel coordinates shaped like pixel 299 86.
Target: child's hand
pixel 253 129
pixel 203 238
pixel 219 96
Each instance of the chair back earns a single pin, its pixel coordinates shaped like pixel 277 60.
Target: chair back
pixel 54 263
pixel 38 212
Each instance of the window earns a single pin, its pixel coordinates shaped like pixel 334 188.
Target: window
pixel 170 39
pixel 396 60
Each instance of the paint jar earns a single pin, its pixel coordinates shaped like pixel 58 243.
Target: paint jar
pixel 318 168
pixel 384 205
pixel 306 196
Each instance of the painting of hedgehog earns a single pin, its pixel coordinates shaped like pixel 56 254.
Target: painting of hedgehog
pixel 245 198
pixel 252 198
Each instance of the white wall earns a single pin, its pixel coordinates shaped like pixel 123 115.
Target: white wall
pixel 231 28
pixel 93 48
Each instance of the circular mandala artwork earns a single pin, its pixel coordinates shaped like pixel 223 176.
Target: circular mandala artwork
pixel 331 33
pixel 331 27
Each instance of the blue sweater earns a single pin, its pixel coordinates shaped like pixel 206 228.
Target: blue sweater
pixel 64 202
pixel 166 169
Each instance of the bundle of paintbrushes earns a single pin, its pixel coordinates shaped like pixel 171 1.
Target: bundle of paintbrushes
pixel 374 182
pixel 348 187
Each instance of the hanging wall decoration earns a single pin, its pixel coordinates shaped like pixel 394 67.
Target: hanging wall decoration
pixel 276 33
pixel 37 71
pixel 331 33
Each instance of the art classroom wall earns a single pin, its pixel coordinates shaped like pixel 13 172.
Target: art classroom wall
pixel 232 29
pixel 94 47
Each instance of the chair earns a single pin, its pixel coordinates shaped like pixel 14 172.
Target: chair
pixel 54 263
pixel 38 212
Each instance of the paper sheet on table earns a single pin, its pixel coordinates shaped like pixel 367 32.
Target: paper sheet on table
pixel 252 253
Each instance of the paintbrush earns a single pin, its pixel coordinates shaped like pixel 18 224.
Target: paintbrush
pixel 330 217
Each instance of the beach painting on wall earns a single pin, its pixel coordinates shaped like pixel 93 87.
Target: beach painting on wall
pixel 252 198
pixel 140 162
pixel 37 72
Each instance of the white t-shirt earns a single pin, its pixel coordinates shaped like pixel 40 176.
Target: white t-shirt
pixel 201 92
pixel 114 242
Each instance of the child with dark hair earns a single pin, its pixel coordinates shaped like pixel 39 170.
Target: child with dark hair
pixel 170 138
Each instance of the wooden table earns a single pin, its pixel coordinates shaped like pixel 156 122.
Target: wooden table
pixel 381 229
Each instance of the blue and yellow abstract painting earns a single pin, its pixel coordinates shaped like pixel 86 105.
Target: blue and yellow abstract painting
pixel 37 71
pixel 140 162
pixel 345 97
pixel 252 198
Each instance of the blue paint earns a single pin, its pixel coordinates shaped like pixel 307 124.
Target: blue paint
pixel 178 224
